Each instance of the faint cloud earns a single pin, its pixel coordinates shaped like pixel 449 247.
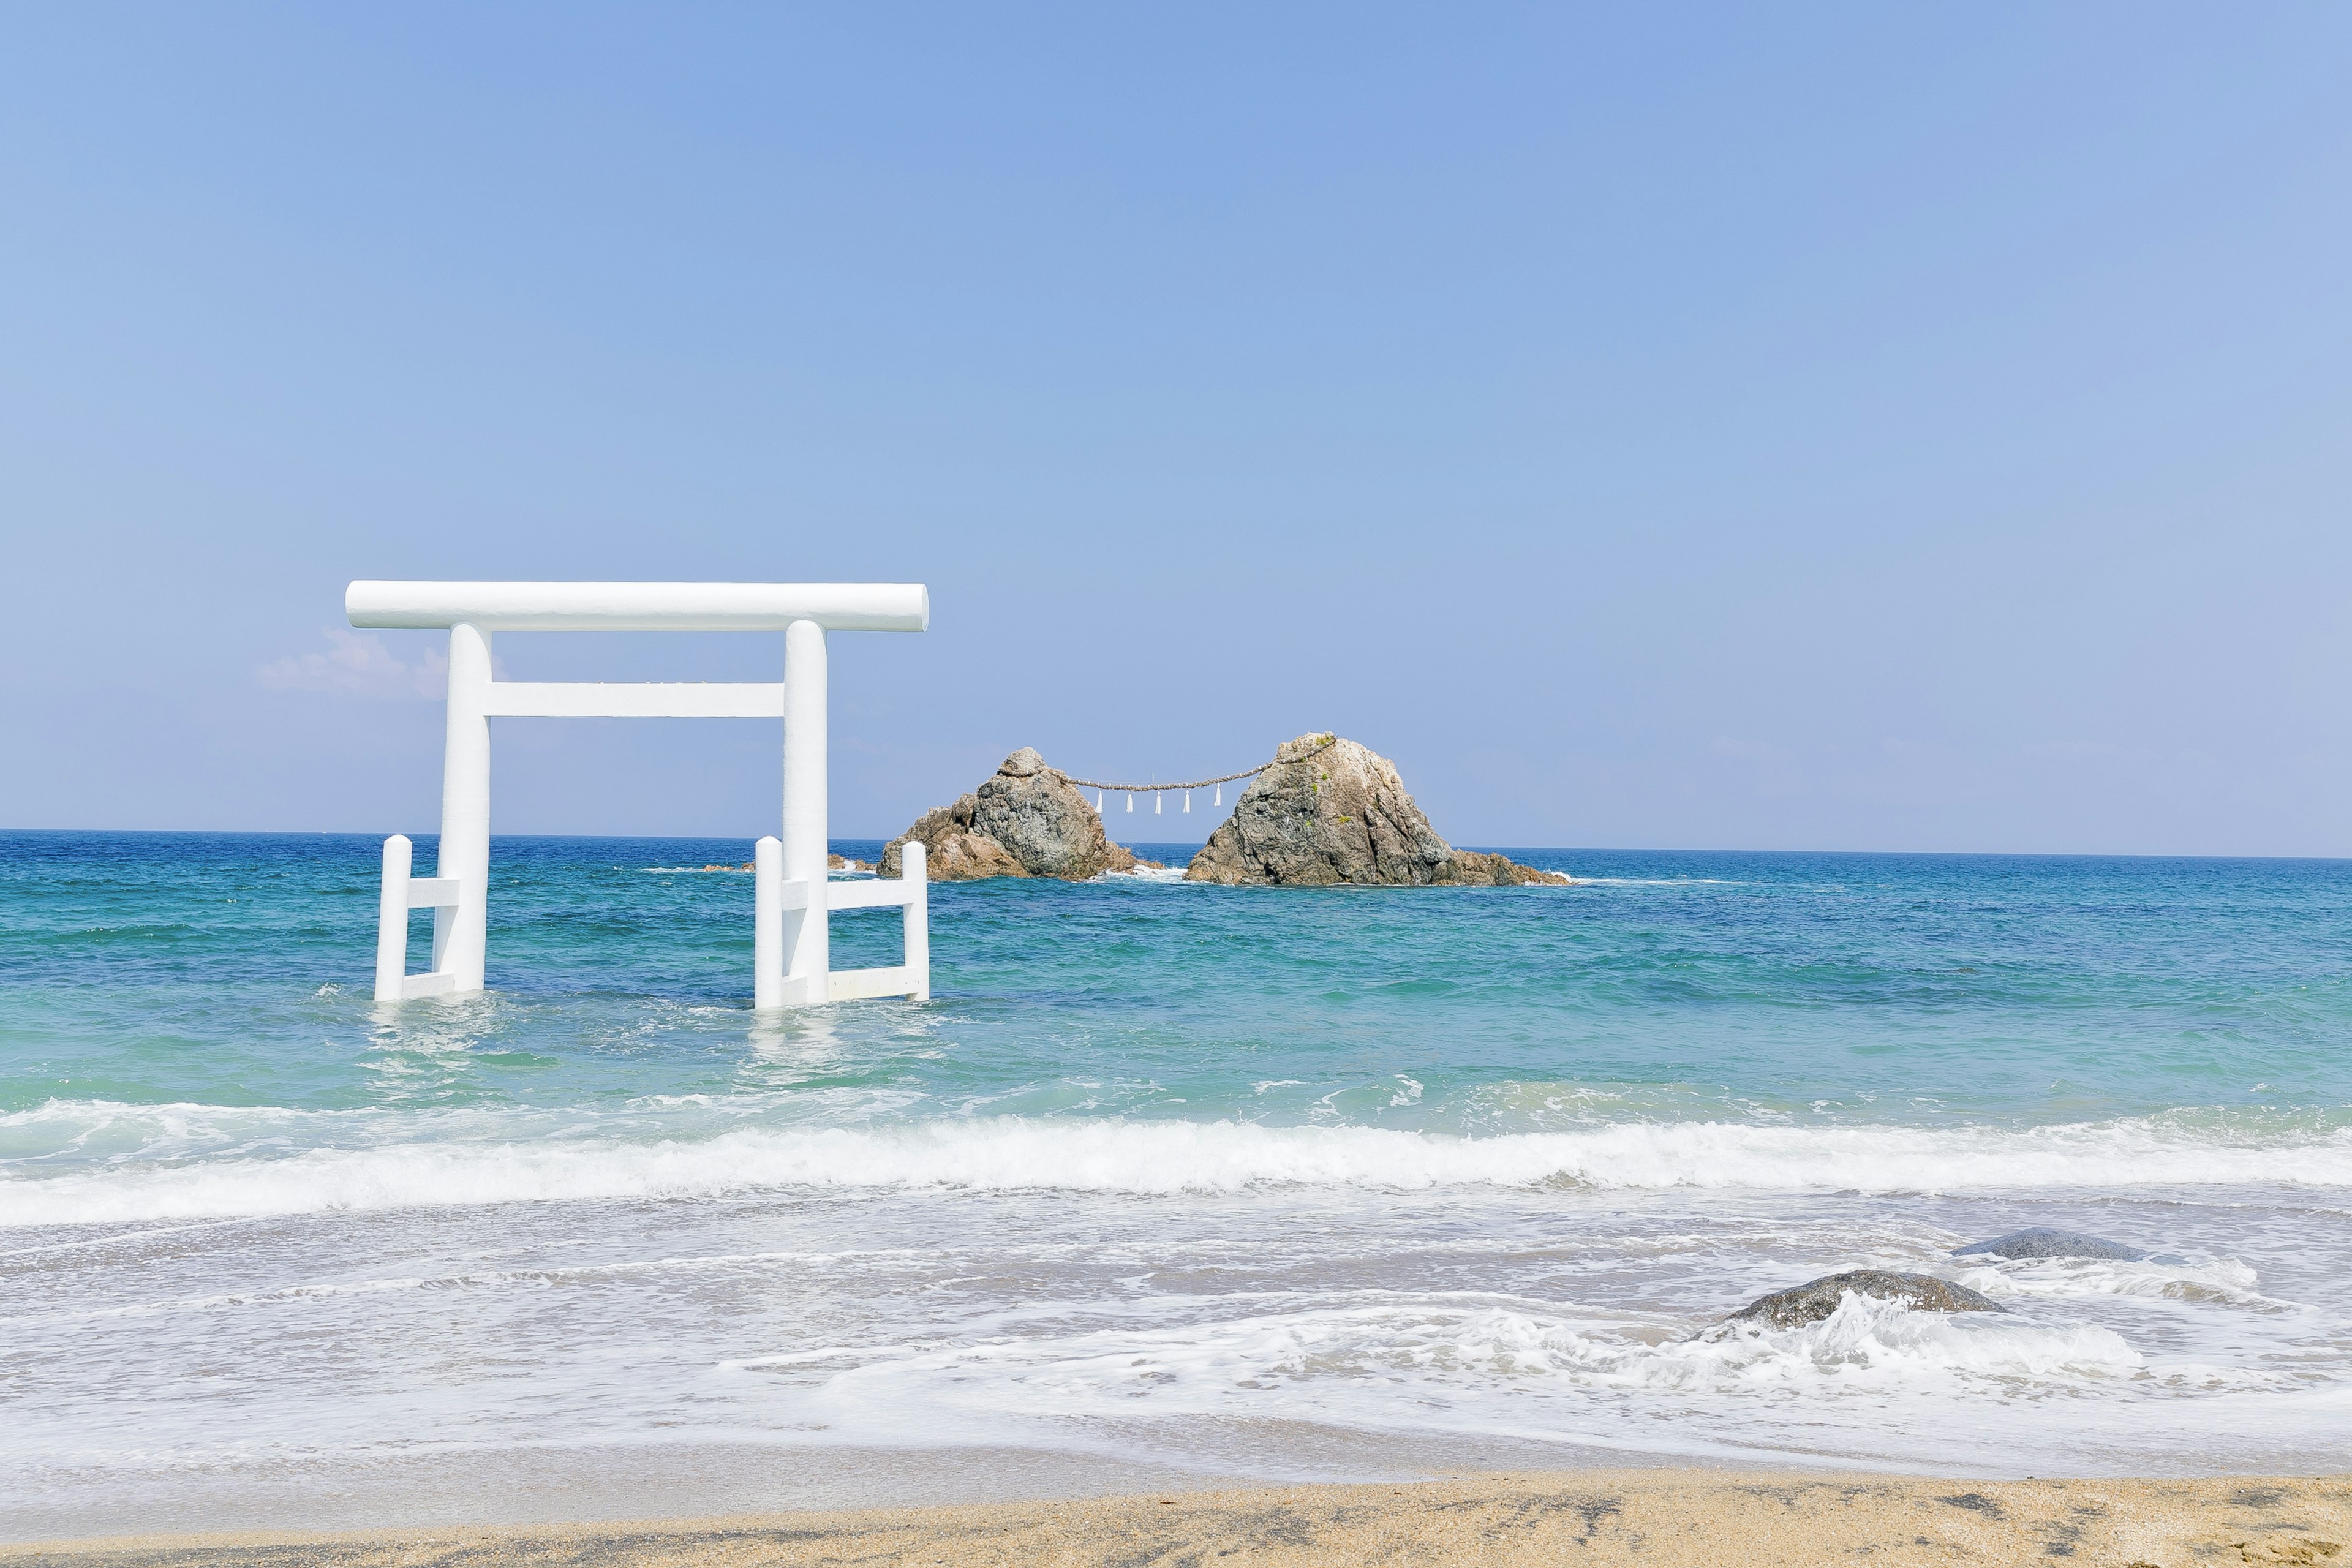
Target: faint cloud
pixel 358 664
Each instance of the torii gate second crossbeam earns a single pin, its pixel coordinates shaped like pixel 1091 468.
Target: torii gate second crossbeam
pixel 792 952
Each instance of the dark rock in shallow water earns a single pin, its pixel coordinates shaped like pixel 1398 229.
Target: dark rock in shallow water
pixel 2042 1241
pixel 1812 1302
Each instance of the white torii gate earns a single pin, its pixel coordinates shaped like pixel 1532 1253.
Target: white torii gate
pixel 792 954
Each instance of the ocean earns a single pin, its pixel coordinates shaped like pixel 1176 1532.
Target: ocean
pixel 1167 1183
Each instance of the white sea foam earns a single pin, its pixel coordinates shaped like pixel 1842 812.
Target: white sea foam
pixel 1491 1369
pixel 120 1164
pixel 2226 1280
pixel 1145 874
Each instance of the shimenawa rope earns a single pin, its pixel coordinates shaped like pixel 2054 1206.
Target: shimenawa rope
pixel 1329 741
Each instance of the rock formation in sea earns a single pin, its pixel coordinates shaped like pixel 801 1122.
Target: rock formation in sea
pixel 1026 821
pixel 2042 1241
pixel 1331 811
pixel 1817 1298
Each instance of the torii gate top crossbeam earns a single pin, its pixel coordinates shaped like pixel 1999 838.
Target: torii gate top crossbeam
pixel 640 606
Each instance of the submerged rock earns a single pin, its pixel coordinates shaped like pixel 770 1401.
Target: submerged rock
pixel 1331 812
pixel 2042 1241
pixel 1816 1299
pixel 1026 821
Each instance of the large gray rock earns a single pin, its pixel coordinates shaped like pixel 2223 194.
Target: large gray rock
pixel 1026 821
pixel 2042 1241
pixel 1816 1299
pixel 1331 811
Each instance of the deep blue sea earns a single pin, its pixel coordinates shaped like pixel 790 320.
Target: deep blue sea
pixel 1165 1181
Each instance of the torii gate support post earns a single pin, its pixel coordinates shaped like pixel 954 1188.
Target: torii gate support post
pixel 392 918
pixel 767 923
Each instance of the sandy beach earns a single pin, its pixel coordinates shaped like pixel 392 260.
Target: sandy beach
pixel 1662 1518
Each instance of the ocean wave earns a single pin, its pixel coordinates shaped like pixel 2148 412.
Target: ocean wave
pixel 1366 1360
pixel 2226 1280
pixel 191 1161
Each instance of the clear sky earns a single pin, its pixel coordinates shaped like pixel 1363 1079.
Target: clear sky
pixel 1842 426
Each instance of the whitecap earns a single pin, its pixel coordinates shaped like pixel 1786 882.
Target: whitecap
pixel 251 1162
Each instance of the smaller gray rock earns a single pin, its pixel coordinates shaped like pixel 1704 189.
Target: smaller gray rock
pixel 1816 1299
pixel 1024 820
pixel 2042 1241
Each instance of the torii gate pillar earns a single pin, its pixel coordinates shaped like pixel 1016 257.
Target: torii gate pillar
pixel 808 939
pixel 792 897
pixel 461 930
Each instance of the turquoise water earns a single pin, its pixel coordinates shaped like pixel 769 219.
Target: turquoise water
pixel 1165 1178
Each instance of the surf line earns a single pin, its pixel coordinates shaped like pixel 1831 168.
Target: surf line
pixel 1156 789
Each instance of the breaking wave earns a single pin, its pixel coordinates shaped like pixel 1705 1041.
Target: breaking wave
pixel 1866 1347
pixel 85 1163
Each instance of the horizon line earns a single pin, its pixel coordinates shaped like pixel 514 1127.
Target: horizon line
pixel 1544 848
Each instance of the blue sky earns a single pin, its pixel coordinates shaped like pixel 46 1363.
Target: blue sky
pixel 1827 427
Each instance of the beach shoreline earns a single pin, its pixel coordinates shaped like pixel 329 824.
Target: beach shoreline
pixel 1662 1518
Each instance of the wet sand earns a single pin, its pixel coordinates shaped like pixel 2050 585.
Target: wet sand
pixel 1660 1518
